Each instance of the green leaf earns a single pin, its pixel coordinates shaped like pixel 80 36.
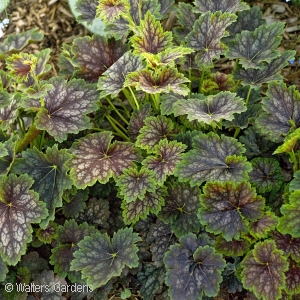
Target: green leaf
pixel 48 234
pixel 109 10
pixel 231 6
pixel 34 263
pixel 9 113
pixel 94 55
pixel 49 172
pixel 263 270
pixel 288 244
pixel 193 269
pixel 125 294
pixel 168 101
pixel 137 120
pixel 292 280
pixel 261 227
pixel 226 208
pixel 134 183
pixel 150 37
pixel 99 258
pixel 95 158
pixel 3 270
pixel 212 109
pixel 19 207
pixel 112 80
pixel 290 142
pixel 154 130
pixel 214 158
pixel 168 155
pixel 7 155
pixel 160 237
pixel 68 237
pixel 255 77
pixel 151 279
pixel 180 209
pixel 231 248
pixel 16 42
pixel 205 37
pixel 266 174
pixel 295 183
pixel 76 205
pixel 289 223
pixel 255 47
pixel 162 80
pixel 140 209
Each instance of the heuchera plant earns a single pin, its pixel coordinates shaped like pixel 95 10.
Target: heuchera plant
pixel 143 172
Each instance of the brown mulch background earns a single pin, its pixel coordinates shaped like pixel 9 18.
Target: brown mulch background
pixel 56 22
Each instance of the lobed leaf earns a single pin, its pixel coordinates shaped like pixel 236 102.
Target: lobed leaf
pixel 109 10
pixel 100 258
pixel 263 270
pixel 290 142
pixel 87 10
pixel 76 205
pixel 213 158
pixel 292 280
pixel 95 158
pixel 19 207
pixel 231 6
pixel 231 248
pixel 261 228
pixel 226 208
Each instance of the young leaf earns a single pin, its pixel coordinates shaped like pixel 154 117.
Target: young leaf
pixel 112 80
pixel 49 172
pixel 180 209
pixel 212 108
pixel 87 10
pixel 231 248
pixel 162 80
pixel 227 207
pixel 206 35
pixel 94 55
pixel 99 258
pixel 137 120
pixel 255 77
pixel 150 37
pixel 68 237
pixel 109 10
pixel 48 234
pixel 231 6
pixel 65 107
pixel 16 42
pixel 97 159
pixel 160 237
pixel 290 142
pixel 140 209
pixel 266 174
pixel 289 245
pixel 213 158
pixel 193 269
pixel 154 130
pixel 134 183
pixel 261 227
pixel 257 46
pixel 263 270
pixel 169 154
pixel 19 207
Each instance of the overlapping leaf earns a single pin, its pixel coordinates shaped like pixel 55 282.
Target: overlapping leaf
pixel 292 278
pixel 150 36
pixel 134 183
pixel 295 183
pixel 97 159
pixel 68 236
pixel 87 10
pixel 193 269
pixel 282 111
pixel 166 6
pixel 94 55
pixel 255 47
pixel 154 130
pixel 7 155
pixel 49 172
pixel 263 270
pixel 140 209
pixel 168 101
pixel 214 158
pixel 76 205
pixel 290 143
pixel 16 42
pixel 206 35
pixel 264 225
pixel 162 80
pixel 231 248
pixel 168 155
pixel 100 258
pixel 180 209
pixel 19 207
pixel 3 270
pixel 266 174
pixel 8 114
pixel 255 77
pixel 231 6
pixel 212 108
pixel 112 80
pixel 226 208
pixel 109 10
pixel 48 234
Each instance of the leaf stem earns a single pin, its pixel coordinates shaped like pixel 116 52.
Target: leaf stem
pixel 201 81
pixel 190 83
pixel 118 113
pixel 31 134
pixel 134 98
pixel 294 161
pixel 129 98
pixel 114 124
pixel 124 107
pixel 248 95
pixel 237 131
pixel 114 132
